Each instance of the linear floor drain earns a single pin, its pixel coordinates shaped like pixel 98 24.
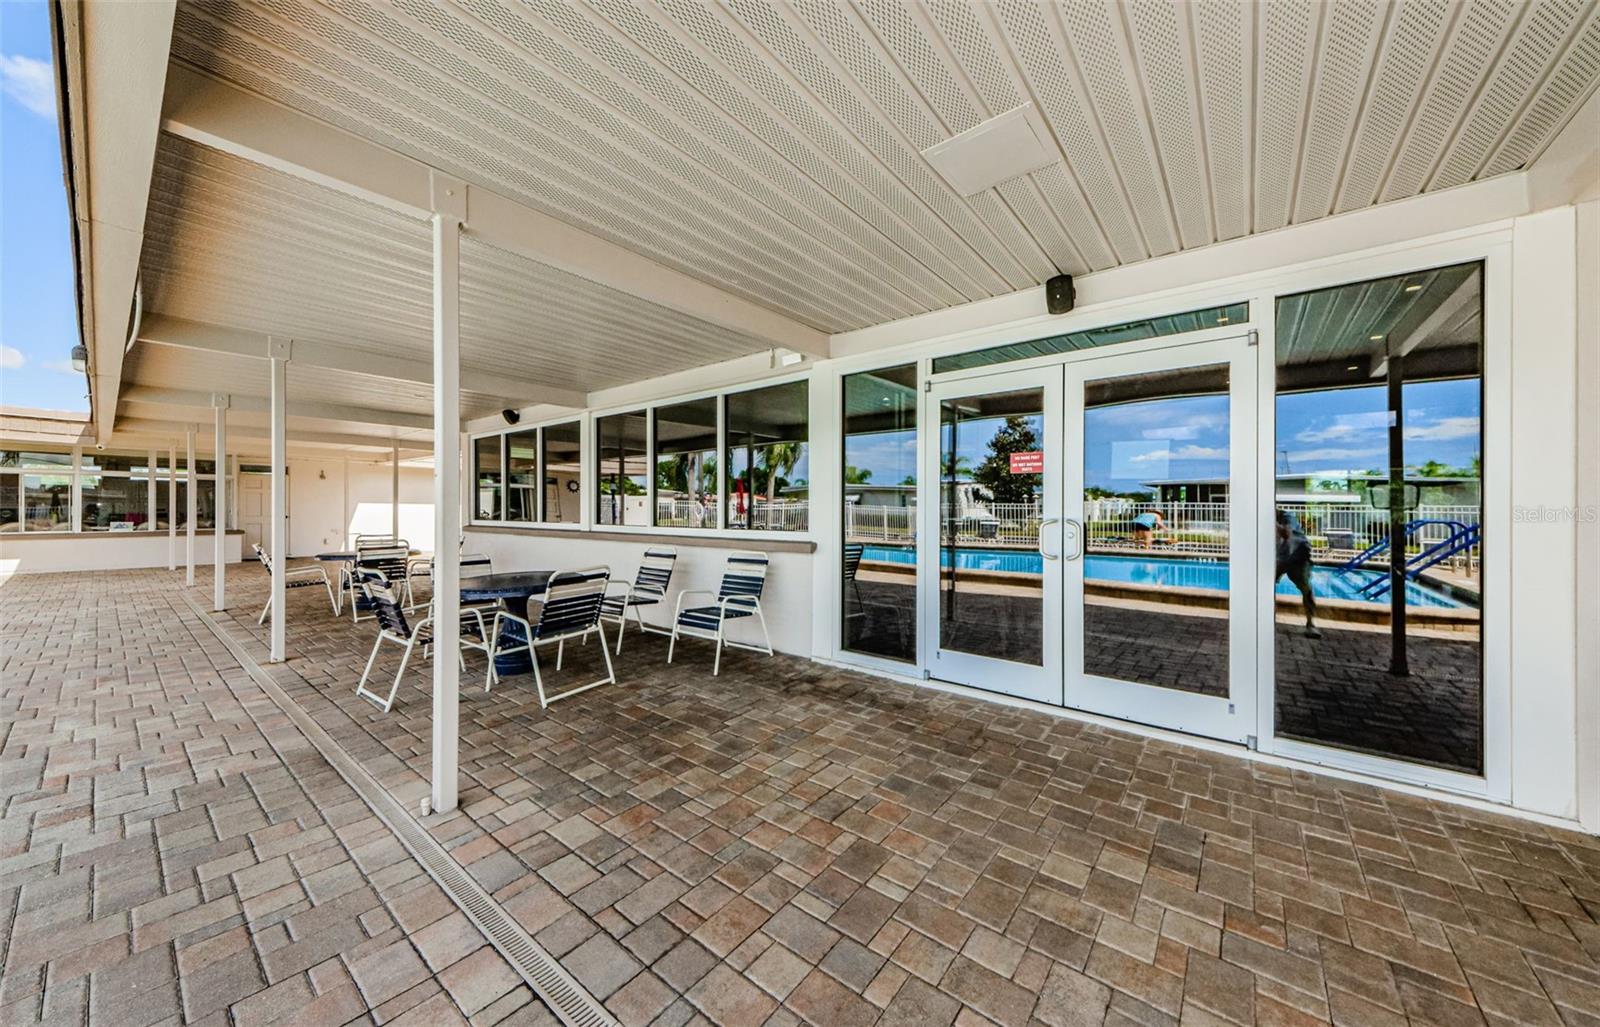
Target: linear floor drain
pixel 568 999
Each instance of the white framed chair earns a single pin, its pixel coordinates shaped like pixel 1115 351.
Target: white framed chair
pixel 648 588
pixel 294 577
pixel 853 551
pixel 571 609
pixel 387 556
pixel 393 627
pixel 743 580
pixel 422 567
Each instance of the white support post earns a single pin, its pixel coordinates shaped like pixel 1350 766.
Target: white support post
pixel 278 357
pixel 395 490
pixel 172 506
pixel 219 588
pixel 449 202
pixel 191 503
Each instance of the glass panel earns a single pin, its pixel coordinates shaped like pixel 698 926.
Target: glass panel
pixel 1131 331
pixel 768 458
pixel 161 503
pixel 10 502
pixel 486 477
pixel 125 461
pixel 623 496
pixel 880 512
pixel 1155 513
pixel 112 503
pixel 47 501
pixel 563 467
pixel 44 459
pixel 686 464
pixel 991 576
pixel 1380 437
pixel 205 500
pixel 522 475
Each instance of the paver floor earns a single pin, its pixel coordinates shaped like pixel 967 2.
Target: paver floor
pixel 790 842
pixel 172 850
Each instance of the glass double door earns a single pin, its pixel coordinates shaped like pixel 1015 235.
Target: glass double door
pixel 1089 538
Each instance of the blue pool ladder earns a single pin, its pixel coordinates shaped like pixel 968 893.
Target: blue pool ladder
pixel 1462 536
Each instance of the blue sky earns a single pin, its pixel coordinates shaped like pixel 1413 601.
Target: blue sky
pixel 1318 432
pixel 38 323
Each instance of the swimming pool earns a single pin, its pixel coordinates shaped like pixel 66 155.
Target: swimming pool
pixel 1161 572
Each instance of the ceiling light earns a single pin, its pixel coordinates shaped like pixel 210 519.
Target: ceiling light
pixel 1374 338
pixel 1353 367
pixel 80 358
pixel 995 151
pixel 1413 287
pixel 1222 319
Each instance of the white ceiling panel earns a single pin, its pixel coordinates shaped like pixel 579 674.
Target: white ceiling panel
pixel 773 148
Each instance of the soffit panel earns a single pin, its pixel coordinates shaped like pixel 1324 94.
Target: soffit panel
pixel 773 149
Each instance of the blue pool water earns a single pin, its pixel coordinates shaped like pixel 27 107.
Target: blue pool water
pixel 1163 572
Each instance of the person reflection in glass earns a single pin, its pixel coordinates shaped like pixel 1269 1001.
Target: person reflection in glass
pixel 1294 560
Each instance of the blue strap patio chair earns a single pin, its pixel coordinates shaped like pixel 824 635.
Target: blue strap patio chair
pixel 739 596
pixel 294 577
pixel 571 609
pixel 394 627
pixel 853 551
pixel 648 588
pixel 387 556
pixel 422 567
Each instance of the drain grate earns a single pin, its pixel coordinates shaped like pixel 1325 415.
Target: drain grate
pixel 568 999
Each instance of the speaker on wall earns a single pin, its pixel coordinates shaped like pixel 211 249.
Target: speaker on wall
pixel 1059 294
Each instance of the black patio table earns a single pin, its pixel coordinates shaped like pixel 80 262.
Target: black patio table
pixel 515 589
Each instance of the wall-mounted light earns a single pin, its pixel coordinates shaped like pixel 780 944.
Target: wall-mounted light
pixel 80 357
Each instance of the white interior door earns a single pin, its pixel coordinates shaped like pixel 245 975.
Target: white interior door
pixel 988 552
pixel 1159 559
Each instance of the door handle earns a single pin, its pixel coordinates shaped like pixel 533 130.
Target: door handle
pixel 1077 537
pixel 1042 526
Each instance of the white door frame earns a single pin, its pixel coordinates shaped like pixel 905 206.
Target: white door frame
pixel 1232 717
pixel 1041 683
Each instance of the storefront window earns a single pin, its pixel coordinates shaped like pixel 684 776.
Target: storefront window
pixel 563 466
pixel 1378 514
pixel 768 458
pixel 686 464
pixel 115 503
pixel 486 478
pixel 879 574
pixel 47 502
pixel 10 503
pixel 522 475
pixel 623 492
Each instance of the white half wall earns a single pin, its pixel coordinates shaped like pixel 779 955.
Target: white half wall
pixel 786 602
pixel 104 551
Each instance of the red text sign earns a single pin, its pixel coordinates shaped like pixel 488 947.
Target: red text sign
pixel 1027 463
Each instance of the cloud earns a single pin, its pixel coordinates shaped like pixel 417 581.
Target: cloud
pixel 11 358
pixel 1346 427
pixel 60 367
pixel 1335 456
pixel 28 81
pixel 1200 453
pixel 1443 429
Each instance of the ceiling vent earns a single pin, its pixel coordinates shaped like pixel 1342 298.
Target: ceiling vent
pixel 992 152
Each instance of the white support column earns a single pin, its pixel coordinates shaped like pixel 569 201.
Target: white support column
pixel 449 202
pixel 278 356
pixel 395 490
pixel 219 588
pixel 172 506
pixel 191 504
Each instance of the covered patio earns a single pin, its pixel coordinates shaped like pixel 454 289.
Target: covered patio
pixel 897 316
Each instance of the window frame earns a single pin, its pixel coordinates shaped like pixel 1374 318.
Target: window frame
pixel 503 435
pixel 159 470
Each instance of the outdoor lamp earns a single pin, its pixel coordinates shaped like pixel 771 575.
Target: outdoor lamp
pixel 80 357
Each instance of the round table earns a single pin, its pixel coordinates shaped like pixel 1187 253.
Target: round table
pixel 515 589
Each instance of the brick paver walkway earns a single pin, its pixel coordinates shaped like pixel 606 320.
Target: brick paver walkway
pixel 789 842
pixel 172 850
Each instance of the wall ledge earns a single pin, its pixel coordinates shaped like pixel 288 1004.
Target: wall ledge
pixel 123 536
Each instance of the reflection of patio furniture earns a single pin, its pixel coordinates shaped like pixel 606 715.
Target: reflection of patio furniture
pixel 739 596
pixel 572 604
pixel 1340 538
pixel 852 564
pixel 648 588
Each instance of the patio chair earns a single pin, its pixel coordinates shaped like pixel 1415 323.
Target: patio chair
pixel 294 577
pixel 422 567
pixel 853 552
pixel 648 588
pixel 387 556
pixel 739 596
pixel 393 627
pixel 571 609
